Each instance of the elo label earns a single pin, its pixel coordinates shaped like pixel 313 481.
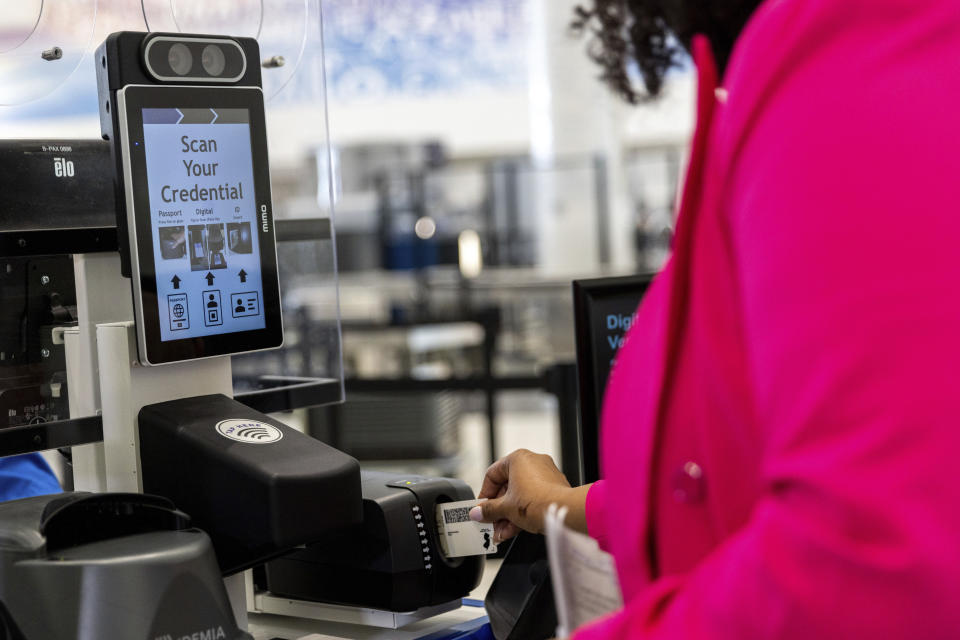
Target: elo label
pixel 249 431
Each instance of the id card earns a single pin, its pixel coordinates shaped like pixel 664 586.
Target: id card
pixel 459 535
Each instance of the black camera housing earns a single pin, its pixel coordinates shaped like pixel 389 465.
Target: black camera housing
pixel 159 52
pixel 122 61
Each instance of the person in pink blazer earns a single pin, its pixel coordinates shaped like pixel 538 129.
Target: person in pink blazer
pixel 781 432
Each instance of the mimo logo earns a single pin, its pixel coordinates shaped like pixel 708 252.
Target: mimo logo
pixel 63 168
pixel 264 219
pixel 249 431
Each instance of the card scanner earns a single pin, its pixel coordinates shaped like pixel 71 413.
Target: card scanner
pixel 258 487
pixel 392 561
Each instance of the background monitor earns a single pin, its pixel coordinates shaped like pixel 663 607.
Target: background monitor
pixel 604 310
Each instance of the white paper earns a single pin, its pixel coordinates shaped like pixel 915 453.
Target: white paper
pixel 584 576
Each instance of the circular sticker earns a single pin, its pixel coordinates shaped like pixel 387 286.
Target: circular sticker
pixel 249 431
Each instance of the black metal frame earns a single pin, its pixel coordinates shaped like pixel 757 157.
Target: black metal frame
pixel 282 393
pixel 275 394
pixel 278 394
pixel 56 242
pixel 559 380
pixel 41 242
pixel 50 435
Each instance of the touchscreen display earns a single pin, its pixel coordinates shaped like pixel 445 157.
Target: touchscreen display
pixel 610 318
pixel 204 221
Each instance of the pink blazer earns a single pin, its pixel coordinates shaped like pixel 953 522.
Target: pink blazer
pixel 781 433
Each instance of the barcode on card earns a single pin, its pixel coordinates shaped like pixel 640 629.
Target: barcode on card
pixel 460 514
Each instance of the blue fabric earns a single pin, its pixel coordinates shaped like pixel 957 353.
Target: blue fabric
pixel 25 477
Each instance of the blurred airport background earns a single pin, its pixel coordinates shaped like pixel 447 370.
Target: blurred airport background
pixel 475 165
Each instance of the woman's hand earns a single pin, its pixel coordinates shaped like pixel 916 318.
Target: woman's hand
pixel 517 491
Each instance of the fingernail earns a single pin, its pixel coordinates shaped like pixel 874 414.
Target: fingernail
pixel 476 514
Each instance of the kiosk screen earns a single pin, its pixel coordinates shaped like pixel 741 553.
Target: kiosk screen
pixel 204 219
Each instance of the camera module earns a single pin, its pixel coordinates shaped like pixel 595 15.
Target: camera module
pixel 180 59
pixel 213 59
pixel 194 59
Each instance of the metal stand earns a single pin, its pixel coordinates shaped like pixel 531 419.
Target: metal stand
pixel 268 603
pixel 105 378
pixel 102 296
pixel 126 387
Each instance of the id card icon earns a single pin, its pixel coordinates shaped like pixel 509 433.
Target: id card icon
pixel 179 312
pixel 245 305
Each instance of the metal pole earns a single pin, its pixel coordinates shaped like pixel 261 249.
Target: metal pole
pixel 561 381
pixel 603 209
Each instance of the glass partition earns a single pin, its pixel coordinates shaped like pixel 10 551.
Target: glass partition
pixel 42 43
pixel 287 30
pixel 48 102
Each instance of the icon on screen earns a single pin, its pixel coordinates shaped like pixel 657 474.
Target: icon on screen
pixel 245 305
pixel 213 310
pixel 178 311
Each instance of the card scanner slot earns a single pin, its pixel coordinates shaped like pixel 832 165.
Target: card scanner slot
pixel 79 519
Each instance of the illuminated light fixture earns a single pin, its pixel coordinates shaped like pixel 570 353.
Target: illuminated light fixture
pixel 425 228
pixel 471 254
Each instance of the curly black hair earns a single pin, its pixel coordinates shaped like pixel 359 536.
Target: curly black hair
pixel 652 34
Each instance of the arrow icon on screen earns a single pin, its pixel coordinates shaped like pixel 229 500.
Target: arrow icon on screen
pixel 243 275
pixel 215 116
pixel 176 282
pixel 209 278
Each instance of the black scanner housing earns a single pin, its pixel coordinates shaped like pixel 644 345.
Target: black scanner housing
pixel 255 501
pixel 81 565
pixel 384 562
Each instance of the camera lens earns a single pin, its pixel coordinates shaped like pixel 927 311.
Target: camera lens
pixel 213 60
pixel 180 59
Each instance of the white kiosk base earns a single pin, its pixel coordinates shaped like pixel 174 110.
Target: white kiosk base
pixel 105 378
pixel 268 603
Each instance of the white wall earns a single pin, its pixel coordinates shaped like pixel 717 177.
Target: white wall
pixel 485 123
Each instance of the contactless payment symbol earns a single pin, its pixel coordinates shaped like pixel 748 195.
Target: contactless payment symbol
pixel 178 311
pixel 249 431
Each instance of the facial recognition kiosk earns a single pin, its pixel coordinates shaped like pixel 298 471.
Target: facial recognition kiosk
pixel 190 148
pixel 184 490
